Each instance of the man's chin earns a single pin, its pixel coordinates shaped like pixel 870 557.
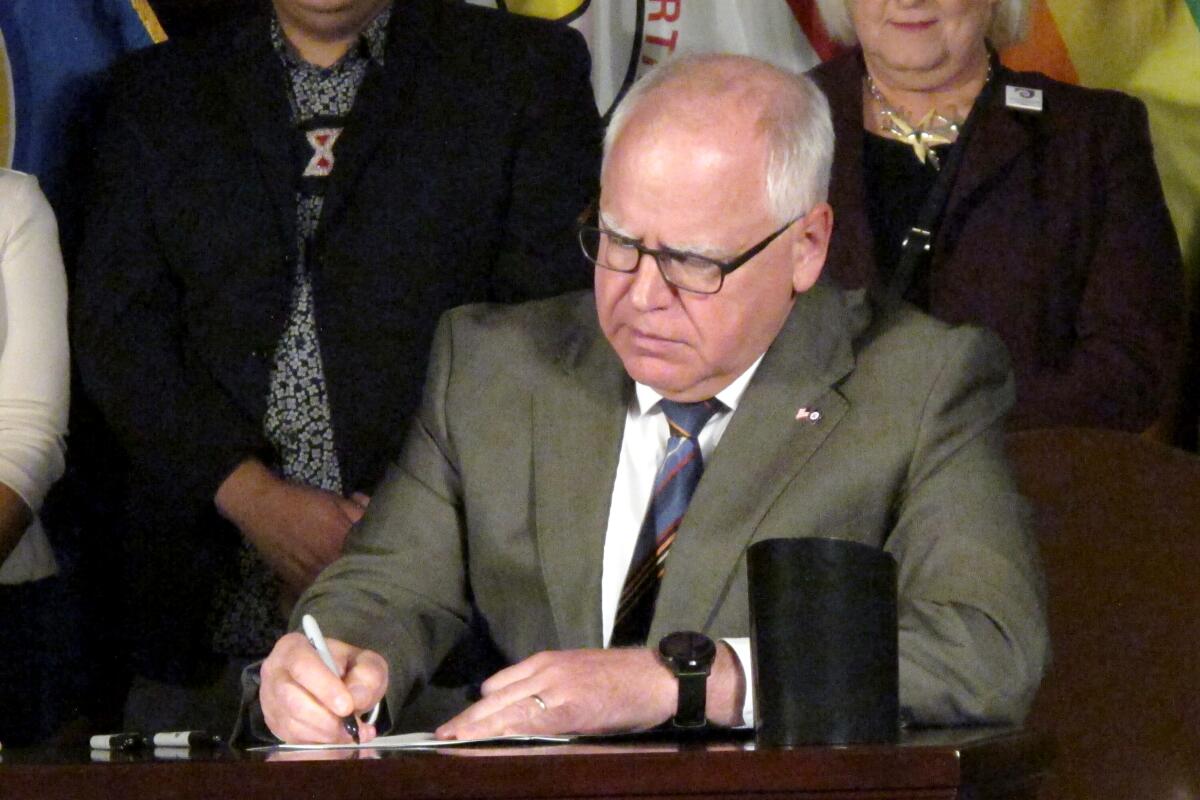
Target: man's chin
pixel 664 377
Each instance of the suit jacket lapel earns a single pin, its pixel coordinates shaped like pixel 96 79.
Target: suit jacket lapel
pixel 384 95
pixel 762 452
pixel 1000 135
pixel 577 427
pixel 256 84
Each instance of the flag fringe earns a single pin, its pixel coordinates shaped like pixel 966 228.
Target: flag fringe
pixel 150 20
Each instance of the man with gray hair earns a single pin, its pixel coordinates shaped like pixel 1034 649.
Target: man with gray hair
pixel 543 485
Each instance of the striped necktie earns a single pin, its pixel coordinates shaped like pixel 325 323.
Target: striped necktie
pixel 673 487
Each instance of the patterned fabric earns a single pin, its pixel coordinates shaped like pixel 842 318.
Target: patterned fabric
pixel 673 486
pixel 248 609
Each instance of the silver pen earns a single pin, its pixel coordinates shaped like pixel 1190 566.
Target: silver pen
pixel 313 633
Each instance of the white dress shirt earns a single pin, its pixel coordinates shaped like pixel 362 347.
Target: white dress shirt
pixel 643 449
pixel 34 377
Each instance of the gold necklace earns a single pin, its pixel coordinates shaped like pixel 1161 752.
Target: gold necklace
pixel 931 130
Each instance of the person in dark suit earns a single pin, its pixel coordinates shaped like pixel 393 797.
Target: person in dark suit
pixel 552 435
pixel 1052 230
pixel 281 210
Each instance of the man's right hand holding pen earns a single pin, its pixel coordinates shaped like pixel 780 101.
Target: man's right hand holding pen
pixel 304 702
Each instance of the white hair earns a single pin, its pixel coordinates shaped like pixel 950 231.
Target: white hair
pixel 793 118
pixel 1008 26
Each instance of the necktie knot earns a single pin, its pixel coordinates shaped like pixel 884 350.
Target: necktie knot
pixel 686 420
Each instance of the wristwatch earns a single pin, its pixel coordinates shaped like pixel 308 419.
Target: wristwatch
pixel 690 656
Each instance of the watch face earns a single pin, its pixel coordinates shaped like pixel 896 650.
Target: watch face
pixel 687 649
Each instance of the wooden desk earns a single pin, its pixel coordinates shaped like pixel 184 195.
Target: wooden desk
pixel 974 763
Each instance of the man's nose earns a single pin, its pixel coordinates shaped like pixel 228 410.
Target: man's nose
pixel 650 290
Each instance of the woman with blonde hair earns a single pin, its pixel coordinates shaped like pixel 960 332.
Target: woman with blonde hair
pixel 1006 199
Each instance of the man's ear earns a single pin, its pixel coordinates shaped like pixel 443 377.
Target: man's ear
pixel 810 244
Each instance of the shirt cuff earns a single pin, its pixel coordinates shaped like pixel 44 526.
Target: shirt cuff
pixel 741 648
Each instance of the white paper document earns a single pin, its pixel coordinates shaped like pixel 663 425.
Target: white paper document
pixel 418 741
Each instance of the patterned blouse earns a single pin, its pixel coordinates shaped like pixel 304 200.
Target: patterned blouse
pixel 248 613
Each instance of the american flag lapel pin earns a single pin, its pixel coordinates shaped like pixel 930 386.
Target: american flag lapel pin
pixel 806 414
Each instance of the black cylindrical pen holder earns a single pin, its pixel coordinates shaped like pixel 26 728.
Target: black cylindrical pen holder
pixel 824 642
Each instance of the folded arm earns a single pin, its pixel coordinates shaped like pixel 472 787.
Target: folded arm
pixel 34 372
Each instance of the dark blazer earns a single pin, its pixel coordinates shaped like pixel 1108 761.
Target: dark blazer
pixel 510 519
pixel 1055 235
pixel 459 176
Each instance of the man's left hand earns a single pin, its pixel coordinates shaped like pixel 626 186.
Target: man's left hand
pixel 584 691
pixel 592 691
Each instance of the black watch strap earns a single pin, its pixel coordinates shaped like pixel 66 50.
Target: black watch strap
pixel 690 656
pixel 693 687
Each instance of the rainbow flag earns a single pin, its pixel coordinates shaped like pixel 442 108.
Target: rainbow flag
pixel 1146 48
pixel 51 52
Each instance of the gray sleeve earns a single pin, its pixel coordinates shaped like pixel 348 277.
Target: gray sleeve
pixel 400 587
pixel 973 639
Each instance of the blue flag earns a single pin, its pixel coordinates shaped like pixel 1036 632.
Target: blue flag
pixel 51 52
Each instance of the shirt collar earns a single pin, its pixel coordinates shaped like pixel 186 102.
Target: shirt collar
pixel 646 399
pixel 372 42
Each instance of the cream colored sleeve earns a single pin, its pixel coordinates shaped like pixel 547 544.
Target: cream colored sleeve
pixel 34 359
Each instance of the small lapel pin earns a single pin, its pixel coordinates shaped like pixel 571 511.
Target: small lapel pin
pixel 808 415
pixel 1023 99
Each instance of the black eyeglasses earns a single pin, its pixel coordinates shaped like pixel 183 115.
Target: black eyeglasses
pixel 683 270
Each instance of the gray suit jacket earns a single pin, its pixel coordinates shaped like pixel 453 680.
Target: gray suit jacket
pixel 498 503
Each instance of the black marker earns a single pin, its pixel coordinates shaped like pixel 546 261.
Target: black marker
pixel 186 739
pixel 119 742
